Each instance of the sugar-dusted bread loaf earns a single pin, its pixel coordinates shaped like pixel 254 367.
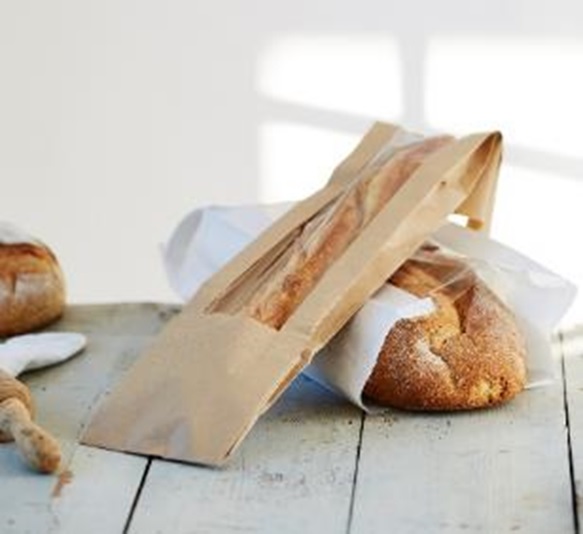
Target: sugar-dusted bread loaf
pixel 467 354
pixel 32 289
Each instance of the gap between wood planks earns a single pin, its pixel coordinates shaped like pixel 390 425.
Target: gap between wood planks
pixel 574 498
pixel 355 477
pixel 136 500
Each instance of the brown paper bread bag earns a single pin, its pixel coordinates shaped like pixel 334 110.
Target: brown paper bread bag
pixel 235 347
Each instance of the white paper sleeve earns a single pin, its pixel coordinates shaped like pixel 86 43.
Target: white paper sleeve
pixel 207 238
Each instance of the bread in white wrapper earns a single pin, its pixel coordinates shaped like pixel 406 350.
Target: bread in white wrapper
pixel 209 237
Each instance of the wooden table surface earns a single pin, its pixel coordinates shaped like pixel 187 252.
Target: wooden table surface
pixel 314 463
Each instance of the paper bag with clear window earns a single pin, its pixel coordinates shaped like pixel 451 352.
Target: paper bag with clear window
pixel 255 324
pixel 457 287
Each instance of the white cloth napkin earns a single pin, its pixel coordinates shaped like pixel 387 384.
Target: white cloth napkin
pixel 32 351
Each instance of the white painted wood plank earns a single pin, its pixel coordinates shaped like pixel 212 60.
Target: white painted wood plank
pixel 293 474
pixel 573 364
pixel 103 484
pixel 500 470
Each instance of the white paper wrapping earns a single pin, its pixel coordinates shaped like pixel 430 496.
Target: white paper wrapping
pixel 207 238
pixel 33 351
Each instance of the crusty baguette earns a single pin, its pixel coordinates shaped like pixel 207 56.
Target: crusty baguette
pixel 322 243
pixel 467 354
pixel 32 289
pixel 40 450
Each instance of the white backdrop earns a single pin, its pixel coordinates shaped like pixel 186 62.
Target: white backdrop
pixel 119 116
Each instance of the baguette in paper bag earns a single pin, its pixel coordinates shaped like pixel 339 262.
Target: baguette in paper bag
pixel 214 369
pixel 208 238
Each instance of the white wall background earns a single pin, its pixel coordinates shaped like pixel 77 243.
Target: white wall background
pixel 119 116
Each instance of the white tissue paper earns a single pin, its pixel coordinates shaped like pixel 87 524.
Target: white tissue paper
pixel 208 238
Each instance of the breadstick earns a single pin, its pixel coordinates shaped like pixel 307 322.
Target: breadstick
pixel 320 245
pixel 39 449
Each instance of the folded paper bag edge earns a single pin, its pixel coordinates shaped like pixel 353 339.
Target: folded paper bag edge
pixel 425 190
pixel 158 420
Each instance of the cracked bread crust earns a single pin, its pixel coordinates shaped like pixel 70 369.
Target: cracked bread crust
pixel 319 246
pixel 32 292
pixel 467 354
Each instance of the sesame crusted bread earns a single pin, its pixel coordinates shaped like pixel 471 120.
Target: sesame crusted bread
pixel 467 354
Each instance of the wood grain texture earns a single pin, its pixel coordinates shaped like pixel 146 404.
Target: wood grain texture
pixel 95 487
pixel 500 470
pixel 293 474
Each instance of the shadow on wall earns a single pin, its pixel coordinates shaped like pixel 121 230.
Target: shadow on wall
pixel 511 67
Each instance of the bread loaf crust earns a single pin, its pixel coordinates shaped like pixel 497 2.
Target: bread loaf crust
pixel 321 243
pixel 13 389
pixel 467 354
pixel 32 289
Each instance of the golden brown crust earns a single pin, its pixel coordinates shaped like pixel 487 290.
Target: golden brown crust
pixel 32 292
pixel 320 245
pixel 467 354
pixel 11 388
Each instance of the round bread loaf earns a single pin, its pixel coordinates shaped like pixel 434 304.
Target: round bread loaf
pixel 32 289
pixel 467 354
